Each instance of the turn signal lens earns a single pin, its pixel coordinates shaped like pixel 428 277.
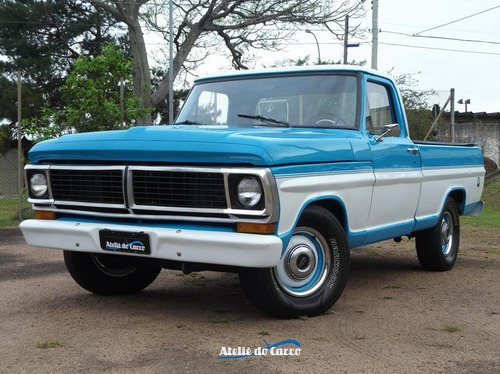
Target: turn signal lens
pixel 256 228
pixel 39 214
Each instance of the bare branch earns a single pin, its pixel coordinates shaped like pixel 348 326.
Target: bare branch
pixel 243 25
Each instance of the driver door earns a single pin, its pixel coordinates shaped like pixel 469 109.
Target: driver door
pixel 396 163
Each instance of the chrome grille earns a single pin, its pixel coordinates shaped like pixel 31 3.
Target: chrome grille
pixel 178 189
pixel 124 192
pixel 87 186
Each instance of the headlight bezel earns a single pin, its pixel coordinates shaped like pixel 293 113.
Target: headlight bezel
pixel 30 173
pixel 237 180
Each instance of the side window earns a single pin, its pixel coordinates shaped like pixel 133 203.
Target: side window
pixel 212 108
pixel 379 111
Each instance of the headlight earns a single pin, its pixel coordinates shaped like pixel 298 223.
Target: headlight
pixel 38 185
pixel 249 192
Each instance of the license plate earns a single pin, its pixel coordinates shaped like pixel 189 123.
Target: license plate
pixel 122 241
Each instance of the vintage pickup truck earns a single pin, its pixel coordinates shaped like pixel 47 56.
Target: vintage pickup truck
pixel 273 174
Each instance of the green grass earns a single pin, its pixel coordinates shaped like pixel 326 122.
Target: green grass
pixel 491 213
pixel 451 328
pixel 9 212
pixel 49 344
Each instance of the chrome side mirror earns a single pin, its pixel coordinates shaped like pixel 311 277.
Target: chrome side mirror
pixel 392 129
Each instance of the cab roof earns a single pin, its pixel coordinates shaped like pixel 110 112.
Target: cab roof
pixel 293 70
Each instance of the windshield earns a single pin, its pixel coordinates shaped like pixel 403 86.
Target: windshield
pixel 299 101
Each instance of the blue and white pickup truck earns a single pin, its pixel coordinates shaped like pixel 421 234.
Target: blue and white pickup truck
pixel 273 174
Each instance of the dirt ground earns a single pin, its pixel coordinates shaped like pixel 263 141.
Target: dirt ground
pixel 393 317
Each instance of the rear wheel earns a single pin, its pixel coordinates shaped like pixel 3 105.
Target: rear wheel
pixel 437 247
pixel 311 274
pixel 105 274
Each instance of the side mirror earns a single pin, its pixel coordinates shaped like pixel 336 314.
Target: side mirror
pixel 392 129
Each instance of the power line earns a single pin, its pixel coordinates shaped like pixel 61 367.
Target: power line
pixel 442 38
pixel 441 49
pixel 458 39
pixel 458 20
pixel 448 29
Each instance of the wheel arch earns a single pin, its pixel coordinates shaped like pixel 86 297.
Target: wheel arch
pixel 333 204
pixel 458 195
pixel 336 207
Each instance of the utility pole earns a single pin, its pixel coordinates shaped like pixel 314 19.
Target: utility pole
pixel 346 36
pixel 374 34
pixel 122 101
pixel 19 147
pixel 452 115
pixel 171 63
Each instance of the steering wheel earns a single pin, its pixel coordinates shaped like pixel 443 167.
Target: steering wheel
pixel 328 120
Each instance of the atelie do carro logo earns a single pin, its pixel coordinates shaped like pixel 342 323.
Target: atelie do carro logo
pixel 136 245
pixel 283 348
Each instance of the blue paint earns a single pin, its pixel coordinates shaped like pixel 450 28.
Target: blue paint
pixel 446 156
pixel 471 208
pixel 322 169
pixel 192 144
pixel 426 223
pixel 389 232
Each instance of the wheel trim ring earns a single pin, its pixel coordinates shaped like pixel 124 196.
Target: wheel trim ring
pixel 447 234
pixel 317 277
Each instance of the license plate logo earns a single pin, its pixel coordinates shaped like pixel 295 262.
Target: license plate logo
pixel 119 241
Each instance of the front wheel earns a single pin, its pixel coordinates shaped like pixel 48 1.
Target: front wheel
pixel 437 247
pixel 105 274
pixel 312 271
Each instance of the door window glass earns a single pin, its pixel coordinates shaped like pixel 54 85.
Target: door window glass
pixel 378 108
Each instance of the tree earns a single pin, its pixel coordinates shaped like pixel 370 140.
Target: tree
pixel 160 112
pixel 304 61
pixel 91 98
pixel 239 25
pixel 418 107
pixel 42 39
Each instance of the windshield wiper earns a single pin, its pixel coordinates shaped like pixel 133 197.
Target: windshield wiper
pixel 189 122
pixel 265 119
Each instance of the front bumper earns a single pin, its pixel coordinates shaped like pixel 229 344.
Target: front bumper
pixel 183 245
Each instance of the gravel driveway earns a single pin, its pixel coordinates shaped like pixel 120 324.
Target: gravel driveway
pixel 393 317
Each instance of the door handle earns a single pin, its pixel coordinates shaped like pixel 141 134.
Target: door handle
pixel 413 150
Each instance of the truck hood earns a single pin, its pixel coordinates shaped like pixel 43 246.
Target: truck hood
pixel 203 145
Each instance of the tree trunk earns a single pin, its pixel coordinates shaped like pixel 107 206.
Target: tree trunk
pixel 179 59
pixel 141 72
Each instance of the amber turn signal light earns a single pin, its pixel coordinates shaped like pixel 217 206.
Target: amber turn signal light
pixel 256 228
pixel 39 214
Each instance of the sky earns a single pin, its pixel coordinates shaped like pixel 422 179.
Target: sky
pixel 471 67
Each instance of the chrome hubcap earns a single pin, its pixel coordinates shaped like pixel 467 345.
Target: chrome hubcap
pixel 301 261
